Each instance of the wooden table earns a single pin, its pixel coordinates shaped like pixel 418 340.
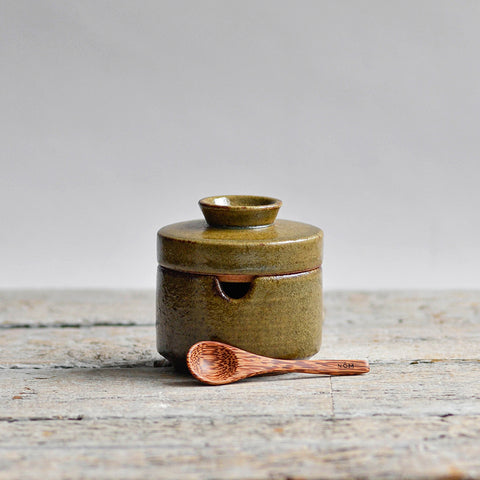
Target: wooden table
pixel 83 396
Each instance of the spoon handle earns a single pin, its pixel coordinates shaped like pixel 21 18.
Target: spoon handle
pixel 325 367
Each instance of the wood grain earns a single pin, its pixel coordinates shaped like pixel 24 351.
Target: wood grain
pixel 80 397
pixel 216 363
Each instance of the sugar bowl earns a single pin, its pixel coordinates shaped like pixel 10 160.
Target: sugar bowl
pixel 242 277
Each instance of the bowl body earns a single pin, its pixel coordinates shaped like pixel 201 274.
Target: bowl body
pixel 277 316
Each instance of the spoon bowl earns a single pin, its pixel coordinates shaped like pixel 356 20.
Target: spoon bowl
pixel 216 363
pixel 210 362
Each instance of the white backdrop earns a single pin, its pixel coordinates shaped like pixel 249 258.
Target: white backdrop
pixel 117 116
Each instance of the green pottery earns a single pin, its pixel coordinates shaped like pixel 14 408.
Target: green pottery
pixel 240 277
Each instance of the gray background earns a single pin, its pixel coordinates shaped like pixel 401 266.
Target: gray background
pixel 117 116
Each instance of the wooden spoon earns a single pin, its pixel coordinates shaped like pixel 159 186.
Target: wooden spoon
pixel 216 363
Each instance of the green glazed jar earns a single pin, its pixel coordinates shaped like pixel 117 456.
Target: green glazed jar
pixel 240 277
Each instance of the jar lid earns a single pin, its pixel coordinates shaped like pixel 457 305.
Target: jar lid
pixel 240 236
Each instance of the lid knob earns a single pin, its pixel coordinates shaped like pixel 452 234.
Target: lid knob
pixel 242 211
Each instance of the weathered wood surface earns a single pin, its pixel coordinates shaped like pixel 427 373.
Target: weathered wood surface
pixel 81 398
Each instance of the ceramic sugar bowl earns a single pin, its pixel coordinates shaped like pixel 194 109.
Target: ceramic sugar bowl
pixel 240 277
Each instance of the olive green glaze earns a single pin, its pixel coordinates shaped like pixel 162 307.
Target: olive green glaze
pixel 280 316
pixel 284 247
pixel 272 303
pixel 239 210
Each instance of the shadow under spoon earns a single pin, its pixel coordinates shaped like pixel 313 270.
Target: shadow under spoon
pixel 217 363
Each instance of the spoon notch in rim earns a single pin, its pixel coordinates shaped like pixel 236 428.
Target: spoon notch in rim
pixel 217 363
